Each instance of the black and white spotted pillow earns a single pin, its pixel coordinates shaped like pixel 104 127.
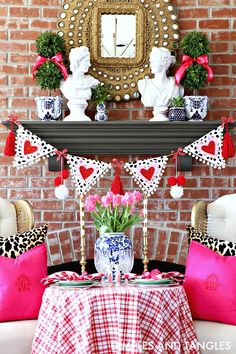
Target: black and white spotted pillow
pixel 19 243
pixel 223 247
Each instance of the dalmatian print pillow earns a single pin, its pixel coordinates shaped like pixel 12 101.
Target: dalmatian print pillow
pixel 19 243
pixel 224 248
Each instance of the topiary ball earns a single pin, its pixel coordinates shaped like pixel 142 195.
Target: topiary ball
pixel 49 76
pixel 195 44
pixel 49 44
pixel 195 77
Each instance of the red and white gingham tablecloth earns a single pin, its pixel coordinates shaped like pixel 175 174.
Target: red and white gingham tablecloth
pixel 107 320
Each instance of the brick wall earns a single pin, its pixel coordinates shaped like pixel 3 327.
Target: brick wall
pixel 21 21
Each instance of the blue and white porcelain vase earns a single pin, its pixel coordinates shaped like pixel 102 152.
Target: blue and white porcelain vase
pixel 196 107
pixel 48 108
pixel 101 115
pixel 113 251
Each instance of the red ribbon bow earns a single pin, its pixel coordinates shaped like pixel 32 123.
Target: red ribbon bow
pixel 57 59
pixel 13 119
pixel 187 61
pixel 226 120
pixel 117 165
pixel 61 154
pixel 179 152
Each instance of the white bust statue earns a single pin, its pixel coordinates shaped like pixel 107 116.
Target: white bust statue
pixel 158 92
pixel 77 87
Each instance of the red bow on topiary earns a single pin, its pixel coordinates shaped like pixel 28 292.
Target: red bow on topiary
pixel 187 61
pixel 57 59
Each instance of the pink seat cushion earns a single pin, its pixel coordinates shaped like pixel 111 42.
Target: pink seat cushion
pixel 20 288
pixel 210 284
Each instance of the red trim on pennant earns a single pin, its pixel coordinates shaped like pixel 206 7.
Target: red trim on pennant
pixel 148 174
pixel 210 148
pixel 86 172
pixel 28 148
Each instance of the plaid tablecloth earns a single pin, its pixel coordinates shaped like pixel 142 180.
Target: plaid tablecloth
pixel 107 320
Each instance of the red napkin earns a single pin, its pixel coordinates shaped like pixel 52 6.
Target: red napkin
pixel 68 275
pixel 155 274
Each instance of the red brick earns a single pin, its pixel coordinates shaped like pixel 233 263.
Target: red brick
pixel 51 13
pixel 187 24
pixel 58 216
pixel 27 194
pixel 24 12
pixel 193 13
pixel 224 12
pixel 41 24
pixel 45 2
pixel 14 69
pixel 214 2
pixel 214 24
pixel 24 35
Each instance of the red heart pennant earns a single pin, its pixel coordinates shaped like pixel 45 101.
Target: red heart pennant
pixel 86 172
pixel 148 174
pixel 210 148
pixel 28 148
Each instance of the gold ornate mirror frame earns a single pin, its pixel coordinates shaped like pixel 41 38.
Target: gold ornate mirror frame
pixel 156 25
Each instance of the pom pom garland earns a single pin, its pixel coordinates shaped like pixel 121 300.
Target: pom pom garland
pixel 61 192
pixel 181 180
pixel 172 181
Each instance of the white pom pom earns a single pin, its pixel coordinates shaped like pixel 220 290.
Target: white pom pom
pixel 176 192
pixel 61 192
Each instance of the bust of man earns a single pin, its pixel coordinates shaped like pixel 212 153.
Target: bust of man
pixel 77 87
pixel 158 92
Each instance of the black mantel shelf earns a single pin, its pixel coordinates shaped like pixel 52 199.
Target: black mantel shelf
pixel 119 137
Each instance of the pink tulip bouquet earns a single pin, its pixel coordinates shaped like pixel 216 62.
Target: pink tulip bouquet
pixel 114 212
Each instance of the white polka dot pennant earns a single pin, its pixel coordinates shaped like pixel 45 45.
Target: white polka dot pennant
pixel 147 173
pixel 86 172
pixel 30 148
pixel 208 149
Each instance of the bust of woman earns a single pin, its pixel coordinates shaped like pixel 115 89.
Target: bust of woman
pixel 77 87
pixel 158 92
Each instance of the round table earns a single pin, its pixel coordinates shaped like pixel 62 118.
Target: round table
pixel 114 319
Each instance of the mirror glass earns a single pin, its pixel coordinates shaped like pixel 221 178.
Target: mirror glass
pixel 116 40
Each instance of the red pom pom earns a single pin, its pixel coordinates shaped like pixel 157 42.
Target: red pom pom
pixel 181 180
pixel 117 186
pixel 57 181
pixel 228 149
pixel 9 149
pixel 65 174
pixel 172 181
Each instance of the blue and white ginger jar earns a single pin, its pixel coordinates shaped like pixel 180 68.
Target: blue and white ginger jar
pixel 112 251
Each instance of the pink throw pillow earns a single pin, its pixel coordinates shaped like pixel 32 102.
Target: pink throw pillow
pixel 210 284
pixel 20 288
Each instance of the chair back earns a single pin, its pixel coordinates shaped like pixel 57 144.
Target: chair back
pixel 217 219
pixel 15 217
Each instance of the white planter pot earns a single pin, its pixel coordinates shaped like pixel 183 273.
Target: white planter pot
pixel 48 107
pixel 196 107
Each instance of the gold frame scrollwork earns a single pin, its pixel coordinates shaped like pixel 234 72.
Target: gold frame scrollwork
pixel 156 25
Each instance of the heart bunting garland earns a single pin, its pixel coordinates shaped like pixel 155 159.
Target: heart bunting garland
pixel 30 148
pixel 147 173
pixel 86 172
pixel 208 148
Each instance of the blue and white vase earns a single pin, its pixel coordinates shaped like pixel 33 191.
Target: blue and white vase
pixel 113 251
pixel 196 107
pixel 48 108
pixel 101 115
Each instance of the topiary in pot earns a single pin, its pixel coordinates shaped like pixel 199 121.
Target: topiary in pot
pixel 176 110
pixel 101 94
pixel 194 72
pixel 48 71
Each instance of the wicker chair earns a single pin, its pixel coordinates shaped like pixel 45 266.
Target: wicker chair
pixel 24 215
